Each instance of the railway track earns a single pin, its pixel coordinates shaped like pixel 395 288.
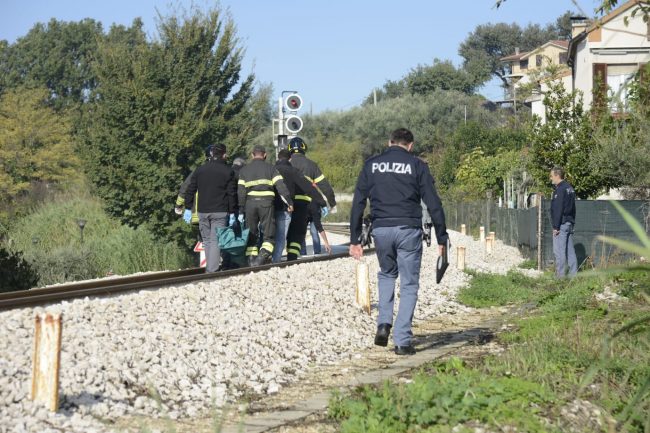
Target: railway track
pixel 111 286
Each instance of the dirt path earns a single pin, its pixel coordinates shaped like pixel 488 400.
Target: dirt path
pixel 301 407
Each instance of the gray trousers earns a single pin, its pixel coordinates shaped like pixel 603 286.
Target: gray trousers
pixel 564 252
pixel 208 224
pixel 399 250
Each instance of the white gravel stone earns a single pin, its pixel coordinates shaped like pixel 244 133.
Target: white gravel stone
pixel 174 351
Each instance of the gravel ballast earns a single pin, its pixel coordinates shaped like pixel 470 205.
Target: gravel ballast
pixel 180 351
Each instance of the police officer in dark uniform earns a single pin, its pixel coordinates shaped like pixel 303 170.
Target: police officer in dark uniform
pixel 395 182
pixel 563 219
pixel 214 181
pixel 257 183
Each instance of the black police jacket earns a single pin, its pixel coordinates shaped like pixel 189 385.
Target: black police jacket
pixel 563 205
pixel 395 182
pixel 215 183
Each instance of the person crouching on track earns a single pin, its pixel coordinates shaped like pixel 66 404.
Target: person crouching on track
pixel 257 183
pixel 395 182
pixel 215 183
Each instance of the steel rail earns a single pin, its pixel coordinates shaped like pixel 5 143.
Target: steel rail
pixel 106 287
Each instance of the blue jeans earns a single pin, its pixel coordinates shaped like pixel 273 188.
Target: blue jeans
pixel 315 240
pixel 564 252
pixel 399 250
pixel 282 220
pixel 208 224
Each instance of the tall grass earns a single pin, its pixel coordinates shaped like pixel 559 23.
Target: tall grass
pixel 51 238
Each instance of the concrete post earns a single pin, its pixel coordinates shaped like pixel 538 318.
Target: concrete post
pixel 482 234
pixel 463 229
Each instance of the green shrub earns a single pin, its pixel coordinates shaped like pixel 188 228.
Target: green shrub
pixel 51 240
pixel 15 272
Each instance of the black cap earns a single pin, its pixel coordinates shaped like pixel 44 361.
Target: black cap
pixel 220 147
pixel 259 149
pixel 284 154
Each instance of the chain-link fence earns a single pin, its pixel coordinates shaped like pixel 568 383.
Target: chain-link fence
pixel 522 228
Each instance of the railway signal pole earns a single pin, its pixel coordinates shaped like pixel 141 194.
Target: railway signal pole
pixel 289 123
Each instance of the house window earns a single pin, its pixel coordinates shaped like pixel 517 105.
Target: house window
pixel 523 64
pixel 538 60
pixel 563 58
pixel 619 78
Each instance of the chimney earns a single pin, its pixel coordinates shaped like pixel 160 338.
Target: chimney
pixel 578 25
pixel 516 50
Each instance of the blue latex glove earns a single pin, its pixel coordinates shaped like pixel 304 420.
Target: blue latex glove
pixel 231 219
pixel 187 216
pixel 324 211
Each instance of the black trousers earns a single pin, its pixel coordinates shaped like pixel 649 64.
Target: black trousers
pixel 297 229
pixel 260 214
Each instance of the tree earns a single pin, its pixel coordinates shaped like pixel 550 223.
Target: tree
pixel 157 106
pixel 566 139
pixel 36 146
pixel 56 55
pixel 484 48
pixel 425 79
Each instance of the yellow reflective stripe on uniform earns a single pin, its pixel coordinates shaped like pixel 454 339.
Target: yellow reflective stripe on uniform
pixel 180 201
pixel 262 193
pixel 302 197
pixel 251 251
pixel 293 251
pixel 257 182
pixel 309 179
pixel 319 178
pixel 294 244
pixel 276 179
pixel 268 246
pixel 241 182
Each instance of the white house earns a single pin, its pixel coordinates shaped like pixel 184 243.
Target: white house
pixel 606 55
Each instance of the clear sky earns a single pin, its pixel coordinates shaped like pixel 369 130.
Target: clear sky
pixel 333 51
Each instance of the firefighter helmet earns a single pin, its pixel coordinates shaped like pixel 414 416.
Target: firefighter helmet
pixel 297 144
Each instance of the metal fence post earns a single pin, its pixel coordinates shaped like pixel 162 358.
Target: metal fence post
pixel 488 200
pixel 540 235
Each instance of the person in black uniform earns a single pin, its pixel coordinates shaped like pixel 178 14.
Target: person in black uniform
pixel 302 193
pixel 313 173
pixel 395 182
pixel 563 219
pixel 215 183
pixel 257 183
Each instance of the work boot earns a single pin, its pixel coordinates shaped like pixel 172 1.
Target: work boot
pixel 263 257
pixel 405 350
pixel 381 337
pixel 252 261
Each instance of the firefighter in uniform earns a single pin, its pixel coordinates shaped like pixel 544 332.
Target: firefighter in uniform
pixel 257 183
pixel 312 172
pixel 395 182
pixel 303 193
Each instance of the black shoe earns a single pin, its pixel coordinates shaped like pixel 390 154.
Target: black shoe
pixel 381 337
pixel 263 257
pixel 252 261
pixel 404 350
